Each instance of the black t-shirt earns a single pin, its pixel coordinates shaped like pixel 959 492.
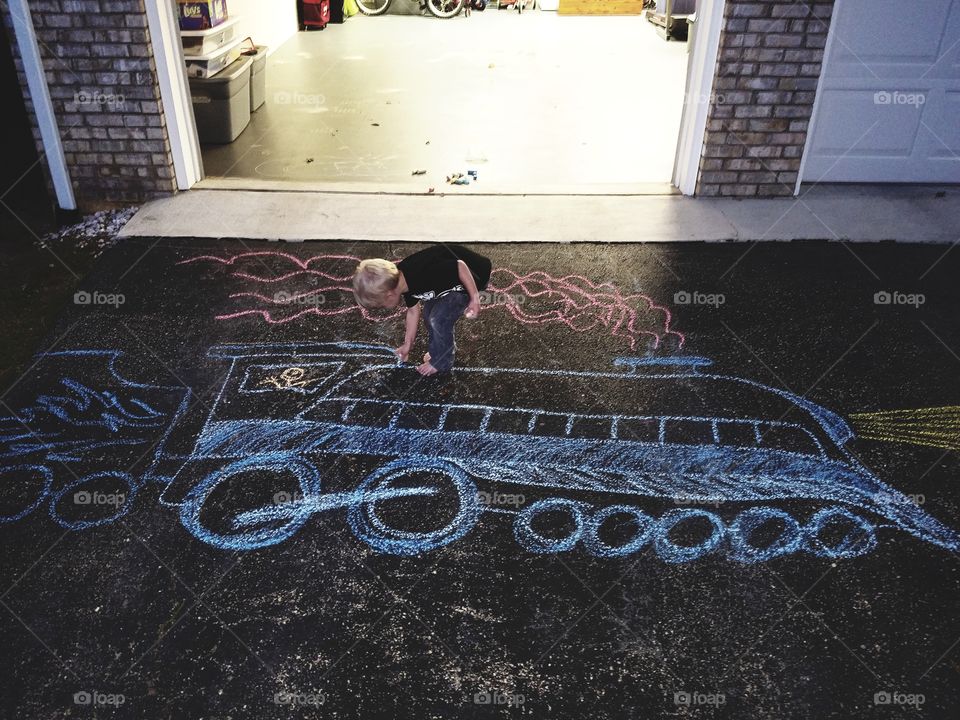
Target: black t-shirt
pixel 433 272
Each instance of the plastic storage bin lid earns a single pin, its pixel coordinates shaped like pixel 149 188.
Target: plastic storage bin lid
pixel 222 50
pixel 226 83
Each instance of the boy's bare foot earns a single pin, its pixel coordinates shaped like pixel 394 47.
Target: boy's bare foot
pixel 426 369
pixel 426 357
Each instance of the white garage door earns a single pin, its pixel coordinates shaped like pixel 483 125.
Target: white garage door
pixel 888 105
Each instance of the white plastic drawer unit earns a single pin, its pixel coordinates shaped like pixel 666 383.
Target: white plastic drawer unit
pixel 205 42
pixel 205 66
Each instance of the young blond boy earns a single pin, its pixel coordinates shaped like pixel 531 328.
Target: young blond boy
pixel 445 279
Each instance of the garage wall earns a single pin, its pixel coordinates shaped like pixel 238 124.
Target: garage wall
pixel 268 23
pixel 103 86
pixel 771 53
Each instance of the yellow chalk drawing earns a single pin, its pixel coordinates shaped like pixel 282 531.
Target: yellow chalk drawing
pixel 937 427
pixel 292 377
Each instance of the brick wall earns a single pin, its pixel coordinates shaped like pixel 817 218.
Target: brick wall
pixel 767 72
pixel 103 85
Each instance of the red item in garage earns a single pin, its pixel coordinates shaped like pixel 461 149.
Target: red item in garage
pixel 316 13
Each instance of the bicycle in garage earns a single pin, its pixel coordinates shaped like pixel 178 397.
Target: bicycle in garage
pixel 439 8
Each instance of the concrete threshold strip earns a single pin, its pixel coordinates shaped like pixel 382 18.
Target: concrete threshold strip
pixel 917 214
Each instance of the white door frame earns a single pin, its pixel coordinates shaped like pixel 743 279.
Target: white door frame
pixel 699 94
pixel 43 108
pixel 175 93
pixel 815 110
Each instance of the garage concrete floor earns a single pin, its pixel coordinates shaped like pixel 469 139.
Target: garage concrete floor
pixel 532 101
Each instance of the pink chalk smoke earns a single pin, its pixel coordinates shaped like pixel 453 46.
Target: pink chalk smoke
pixel 534 298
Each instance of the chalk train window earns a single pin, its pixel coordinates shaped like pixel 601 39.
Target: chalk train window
pixel 739 434
pixel 371 413
pixel 788 437
pixel 419 417
pixel 328 411
pixel 688 432
pixel 513 422
pixel 550 424
pixel 464 419
pixel 591 427
pixel 638 429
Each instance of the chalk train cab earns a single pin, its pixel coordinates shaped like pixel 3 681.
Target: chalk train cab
pixel 658 452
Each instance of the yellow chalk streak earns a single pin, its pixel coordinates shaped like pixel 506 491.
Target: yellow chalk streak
pixel 937 427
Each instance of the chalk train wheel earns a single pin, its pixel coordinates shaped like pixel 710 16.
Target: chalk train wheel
pixel 397 500
pixel 233 508
pixel 94 500
pixel 23 488
pixel 835 532
pixel 551 525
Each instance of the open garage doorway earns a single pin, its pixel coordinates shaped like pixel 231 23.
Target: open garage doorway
pixel 533 102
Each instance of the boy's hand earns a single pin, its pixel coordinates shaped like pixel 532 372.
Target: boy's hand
pixel 473 309
pixel 402 352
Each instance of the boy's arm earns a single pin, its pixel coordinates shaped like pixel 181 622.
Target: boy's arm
pixel 410 332
pixel 466 277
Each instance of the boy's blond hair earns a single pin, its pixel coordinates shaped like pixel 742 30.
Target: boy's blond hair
pixel 373 280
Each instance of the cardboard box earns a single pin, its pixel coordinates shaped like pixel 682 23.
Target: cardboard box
pixel 201 14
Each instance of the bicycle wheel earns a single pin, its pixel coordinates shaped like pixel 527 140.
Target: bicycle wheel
pixel 445 8
pixel 373 7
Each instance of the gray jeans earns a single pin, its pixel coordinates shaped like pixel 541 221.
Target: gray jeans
pixel 440 315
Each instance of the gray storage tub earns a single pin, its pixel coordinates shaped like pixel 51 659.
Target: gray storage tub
pixel 258 78
pixel 221 104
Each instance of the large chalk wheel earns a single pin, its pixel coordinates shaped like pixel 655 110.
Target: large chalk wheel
pixel 414 483
pixel 279 521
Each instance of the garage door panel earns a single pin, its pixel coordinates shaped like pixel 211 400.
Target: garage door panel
pixel 944 130
pixel 888 102
pixel 917 37
pixel 862 131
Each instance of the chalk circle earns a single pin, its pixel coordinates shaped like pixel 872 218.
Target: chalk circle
pixel 591 531
pixel 369 527
pixel 122 508
pixel 308 478
pixel 860 539
pixel 741 530
pixel 671 552
pixel 41 473
pixel 537 542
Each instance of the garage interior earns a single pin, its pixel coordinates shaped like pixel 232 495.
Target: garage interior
pixel 516 102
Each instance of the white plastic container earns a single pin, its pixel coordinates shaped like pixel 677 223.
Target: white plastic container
pixel 205 42
pixel 549 5
pixel 221 105
pixel 204 66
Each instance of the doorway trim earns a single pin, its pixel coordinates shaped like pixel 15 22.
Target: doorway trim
pixel 175 93
pixel 699 95
pixel 26 38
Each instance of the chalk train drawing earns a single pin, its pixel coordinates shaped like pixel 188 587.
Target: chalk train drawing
pixel 533 298
pixel 666 432
pixel 678 433
pixel 83 437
